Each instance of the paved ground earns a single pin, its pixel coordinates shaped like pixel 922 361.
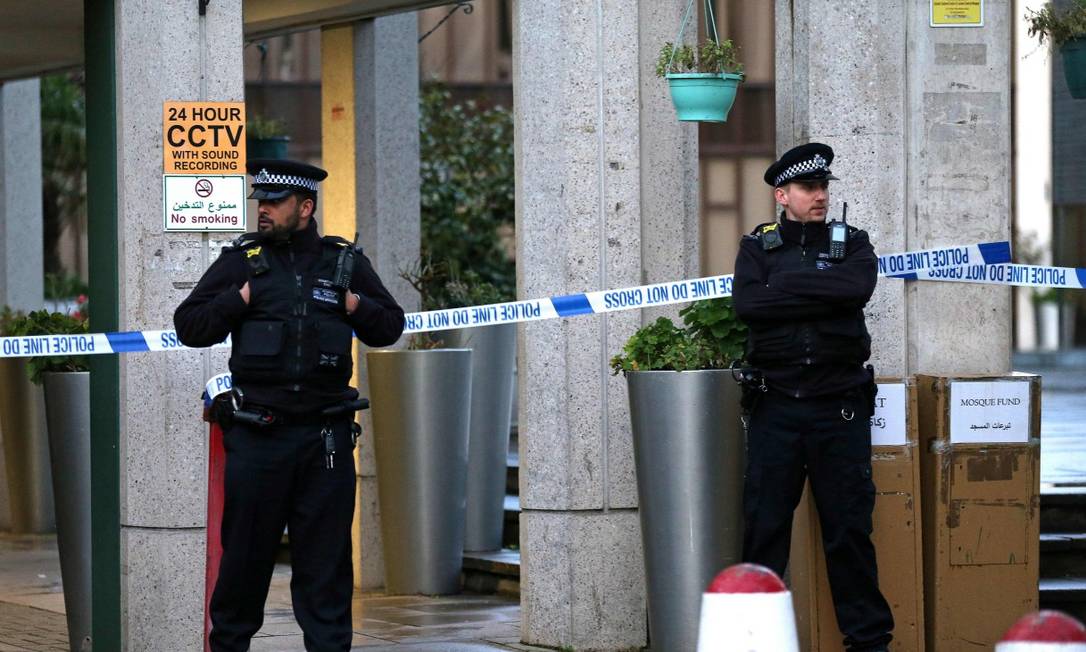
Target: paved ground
pixel 32 612
pixel 1063 425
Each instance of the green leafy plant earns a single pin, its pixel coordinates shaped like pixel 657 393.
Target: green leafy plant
pixel 467 197
pixel 43 322
pixel 259 127
pixel 713 338
pixel 63 160
pixel 442 285
pixel 64 286
pixel 1058 26
pixel 709 57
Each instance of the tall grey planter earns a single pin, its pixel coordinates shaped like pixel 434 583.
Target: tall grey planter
pixel 419 404
pixel 689 452
pixel 26 451
pixel 494 353
pixel 67 402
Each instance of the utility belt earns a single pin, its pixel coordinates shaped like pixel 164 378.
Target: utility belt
pixel 752 382
pixel 230 408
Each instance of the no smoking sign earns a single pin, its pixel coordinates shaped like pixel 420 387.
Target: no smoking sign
pixel 210 203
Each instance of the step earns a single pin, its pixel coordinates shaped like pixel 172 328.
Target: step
pixel 1063 555
pixel 1065 594
pixel 1063 509
pixel 492 572
pixel 511 524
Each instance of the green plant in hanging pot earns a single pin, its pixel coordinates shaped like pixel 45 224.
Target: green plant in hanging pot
pixel 703 79
pixel 1065 29
pixel 265 137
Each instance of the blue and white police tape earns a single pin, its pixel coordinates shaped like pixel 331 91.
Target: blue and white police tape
pixel 217 385
pixel 978 263
pixel 662 294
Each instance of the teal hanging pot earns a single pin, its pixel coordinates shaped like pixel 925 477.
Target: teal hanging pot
pixel 1074 66
pixel 703 96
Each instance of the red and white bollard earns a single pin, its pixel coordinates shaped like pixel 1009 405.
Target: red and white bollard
pixel 1044 631
pixel 748 608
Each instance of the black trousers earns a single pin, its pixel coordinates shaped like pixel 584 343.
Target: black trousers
pixel 276 476
pixel 792 439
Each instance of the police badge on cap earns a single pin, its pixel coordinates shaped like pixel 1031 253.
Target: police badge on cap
pixel 277 178
pixel 810 162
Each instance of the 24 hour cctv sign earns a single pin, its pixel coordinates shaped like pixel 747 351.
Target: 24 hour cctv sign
pixel 203 166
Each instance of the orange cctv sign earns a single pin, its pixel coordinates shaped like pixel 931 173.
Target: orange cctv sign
pixel 201 138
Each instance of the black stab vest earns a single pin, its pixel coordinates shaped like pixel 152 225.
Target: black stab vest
pixel 295 333
pixel 839 340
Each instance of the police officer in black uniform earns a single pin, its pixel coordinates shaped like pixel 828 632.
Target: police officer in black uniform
pixel 291 302
pixel 800 286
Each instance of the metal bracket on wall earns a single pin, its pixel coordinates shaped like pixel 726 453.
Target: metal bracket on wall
pixel 460 4
pixel 203 6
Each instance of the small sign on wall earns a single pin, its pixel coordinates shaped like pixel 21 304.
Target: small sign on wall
pixel 989 412
pixel 957 13
pixel 888 426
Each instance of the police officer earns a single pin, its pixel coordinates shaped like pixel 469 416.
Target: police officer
pixel 801 291
pixel 290 300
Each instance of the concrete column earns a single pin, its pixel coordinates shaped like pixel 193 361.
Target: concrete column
pixel 20 195
pixel 165 51
pixel 370 144
pixel 919 119
pixel 606 197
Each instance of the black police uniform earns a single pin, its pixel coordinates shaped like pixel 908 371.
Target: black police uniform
pixel 291 358
pixel 807 336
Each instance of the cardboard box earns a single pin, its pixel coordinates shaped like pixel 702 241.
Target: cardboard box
pixel 895 469
pixel 980 442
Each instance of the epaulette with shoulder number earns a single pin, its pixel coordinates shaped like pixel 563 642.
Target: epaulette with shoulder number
pixel 252 246
pixel 243 241
pixel 339 242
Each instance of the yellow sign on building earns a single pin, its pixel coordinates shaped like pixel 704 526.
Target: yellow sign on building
pixel 203 138
pixel 957 13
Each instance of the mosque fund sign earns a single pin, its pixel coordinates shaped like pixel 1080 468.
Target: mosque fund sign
pixel 989 412
pixel 203 180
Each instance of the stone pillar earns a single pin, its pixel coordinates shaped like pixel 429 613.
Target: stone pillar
pixel 370 144
pixel 20 215
pixel 20 195
pixel 165 51
pixel 606 197
pixel 919 119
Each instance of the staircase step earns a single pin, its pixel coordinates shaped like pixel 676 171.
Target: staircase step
pixel 1063 509
pixel 492 572
pixel 1063 555
pixel 1066 594
pixel 511 524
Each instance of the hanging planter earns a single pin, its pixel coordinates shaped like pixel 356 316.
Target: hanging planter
pixel 1066 31
pixel 1074 66
pixel 703 80
pixel 265 138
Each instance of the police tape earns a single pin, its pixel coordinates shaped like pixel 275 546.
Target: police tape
pixel 977 263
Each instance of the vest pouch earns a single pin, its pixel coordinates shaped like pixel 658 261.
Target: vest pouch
pixel 334 348
pixel 260 344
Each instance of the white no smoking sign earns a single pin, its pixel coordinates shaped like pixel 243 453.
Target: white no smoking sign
pixel 207 203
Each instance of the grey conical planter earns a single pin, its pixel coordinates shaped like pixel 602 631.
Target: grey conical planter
pixel 419 403
pixel 26 451
pixel 494 353
pixel 690 454
pixel 67 402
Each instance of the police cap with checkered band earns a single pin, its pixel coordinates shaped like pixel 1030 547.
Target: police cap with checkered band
pixel 810 162
pixel 275 178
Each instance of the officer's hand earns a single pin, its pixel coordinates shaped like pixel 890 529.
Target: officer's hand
pixel 351 300
pixel 245 292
